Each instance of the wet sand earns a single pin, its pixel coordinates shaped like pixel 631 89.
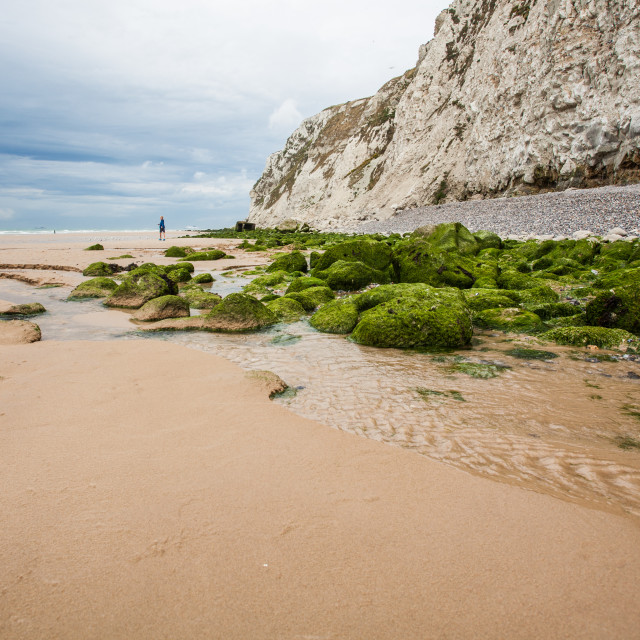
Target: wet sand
pixel 153 491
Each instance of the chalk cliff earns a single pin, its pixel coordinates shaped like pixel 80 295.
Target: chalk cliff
pixel 510 96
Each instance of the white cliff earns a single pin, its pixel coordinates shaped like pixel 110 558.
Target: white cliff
pixel 508 97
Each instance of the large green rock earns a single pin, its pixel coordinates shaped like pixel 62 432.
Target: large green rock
pixel 376 255
pixel 481 299
pixel 199 299
pixel 175 252
pixel 618 308
pixel 28 309
pixel 94 288
pixel 620 278
pixel 168 268
pixel 286 309
pixel 424 317
pixel 96 269
pixel 312 297
pixel 137 289
pixel 337 316
pixel 161 308
pixel 549 310
pixel 350 276
pixel 214 254
pixel 240 312
pixel 487 240
pixel 509 319
pixel 454 236
pixel 203 278
pixel 179 275
pixel 289 262
pixel 602 337
pixel 511 279
pixel 384 293
pixel 300 284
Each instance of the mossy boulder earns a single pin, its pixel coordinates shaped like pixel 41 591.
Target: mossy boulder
pixel 94 288
pixel 179 265
pixel 577 320
pixel 509 319
pixel 314 256
pixel 415 260
pixel 147 267
pixel 350 276
pixel 179 275
pixel 312 297
pixel 214 254
pixel 424 317
pixel 337 316
pixel 286 309
pixel 376 255
pixel 175 252
pixel 487 240
pixel 511 279
pixel 137 289
pixel 199 299
pixel 289 262
pixel 96 269
pixel 481 299
pixel 161 308
pixel 203 278
pixel 618 308
pixel 602 337
pixel 548 310
pixel 539 294
pixel 239 312
pixel 95 247
pixel 28 309
pixel 620 278
pixel 384 293
pixel 454 236
pixel 300 284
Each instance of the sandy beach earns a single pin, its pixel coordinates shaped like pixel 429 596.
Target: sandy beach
pixel 154 491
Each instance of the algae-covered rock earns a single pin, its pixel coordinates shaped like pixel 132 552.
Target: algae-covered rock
pixel 137 289
pixel 314 256
pixel 300 284
pixel 240 312
pixel 376 255
pixel 337 316
pixel 95 247
pixel 453 236
pixel 548 310
pixel 179 265
pixel 415 260
pixel 577 320
pixel 509 319
pixel 539 294
pixel 179 275
pixel 350 276
pixel 161 308
pixel 175 252
pixel 618 308
pixel 425 317
pixel 487 240
pixel 19 332
pixel 286 309
pixel 384 293
pixel 602 337
pixel 481 299
pixel 94 288
pixel 28 309
pixel 147 267
pixel 289 262
pixel 199 299
pixel 99 269
pixel 620 278
pixel 312 297
pixel 214 254
pixel 511 279
pixel 203 278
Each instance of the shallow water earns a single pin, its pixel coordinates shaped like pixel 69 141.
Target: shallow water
pixel 551 426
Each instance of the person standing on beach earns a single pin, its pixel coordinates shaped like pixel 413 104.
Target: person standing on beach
pixel 161 225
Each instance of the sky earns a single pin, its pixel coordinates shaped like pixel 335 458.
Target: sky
pixel 115 112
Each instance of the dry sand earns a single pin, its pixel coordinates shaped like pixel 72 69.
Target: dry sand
pixel 152 491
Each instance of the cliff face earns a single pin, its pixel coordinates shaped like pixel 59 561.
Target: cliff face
pixel 509 96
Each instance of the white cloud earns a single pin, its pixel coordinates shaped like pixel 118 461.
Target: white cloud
pixel 6 214
pixel 286 117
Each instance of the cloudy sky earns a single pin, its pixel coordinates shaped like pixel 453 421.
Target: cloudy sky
pixel 114 112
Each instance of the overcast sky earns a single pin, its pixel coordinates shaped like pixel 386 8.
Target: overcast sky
pixel 114 112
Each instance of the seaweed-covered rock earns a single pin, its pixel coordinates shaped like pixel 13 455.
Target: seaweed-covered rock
pixel 161 308
pixel 384 293
pixel 599 336
pixel 95 247
pixel 539 294
pixel 239 312
pixel 376 255
pixel 577 320
pixel 314 256
pixel 509 319
pixel 289 262
pixel 214 254
pixel 19 332
pixel 300 284
pixel 179 265
pixel 337 316
pixel 487 240
pixel 28 309
pixel 618 308
pixel 286 309
pixel 147 267
pixel 199 299
pixel 179 275
pixel 548 310
pixel 312 297
pixel 203 278
pixel 135 290
pixel 96 269
pixel 511 279
pixel 620 278
pixel 415 260
pixel 424 317
pixel 481 299
pixel 94 288
pixel 454 236
pixel 350 276
pixel 175 252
